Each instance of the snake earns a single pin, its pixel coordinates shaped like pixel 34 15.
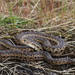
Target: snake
pixel 35 41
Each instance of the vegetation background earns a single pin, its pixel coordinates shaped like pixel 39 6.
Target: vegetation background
pixel 54 17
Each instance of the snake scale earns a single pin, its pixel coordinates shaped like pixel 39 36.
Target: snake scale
pixel 35 41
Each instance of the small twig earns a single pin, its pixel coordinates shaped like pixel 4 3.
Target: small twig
pixel 44 28
pixel 15 3
pixel 34 7
pixel 63 6
pixel 71 29
pixel 12 42
pixel 5 60
pixel 70 42
pixel 62 72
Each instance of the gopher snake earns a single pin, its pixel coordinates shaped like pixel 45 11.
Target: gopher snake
pixel 37 41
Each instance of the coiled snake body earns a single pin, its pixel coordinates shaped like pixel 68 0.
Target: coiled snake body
pixel 35 41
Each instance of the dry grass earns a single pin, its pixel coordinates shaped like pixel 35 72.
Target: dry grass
pixel 41 12
pixel 56 17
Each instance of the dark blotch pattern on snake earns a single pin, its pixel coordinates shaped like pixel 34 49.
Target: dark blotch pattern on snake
pixel 35 41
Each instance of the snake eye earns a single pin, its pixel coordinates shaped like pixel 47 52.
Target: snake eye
pixel 56 52
pixel 61 50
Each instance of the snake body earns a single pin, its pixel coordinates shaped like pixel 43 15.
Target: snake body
pixel 31 56
pixel 31 38
pixel 9 45
pixel 37 41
